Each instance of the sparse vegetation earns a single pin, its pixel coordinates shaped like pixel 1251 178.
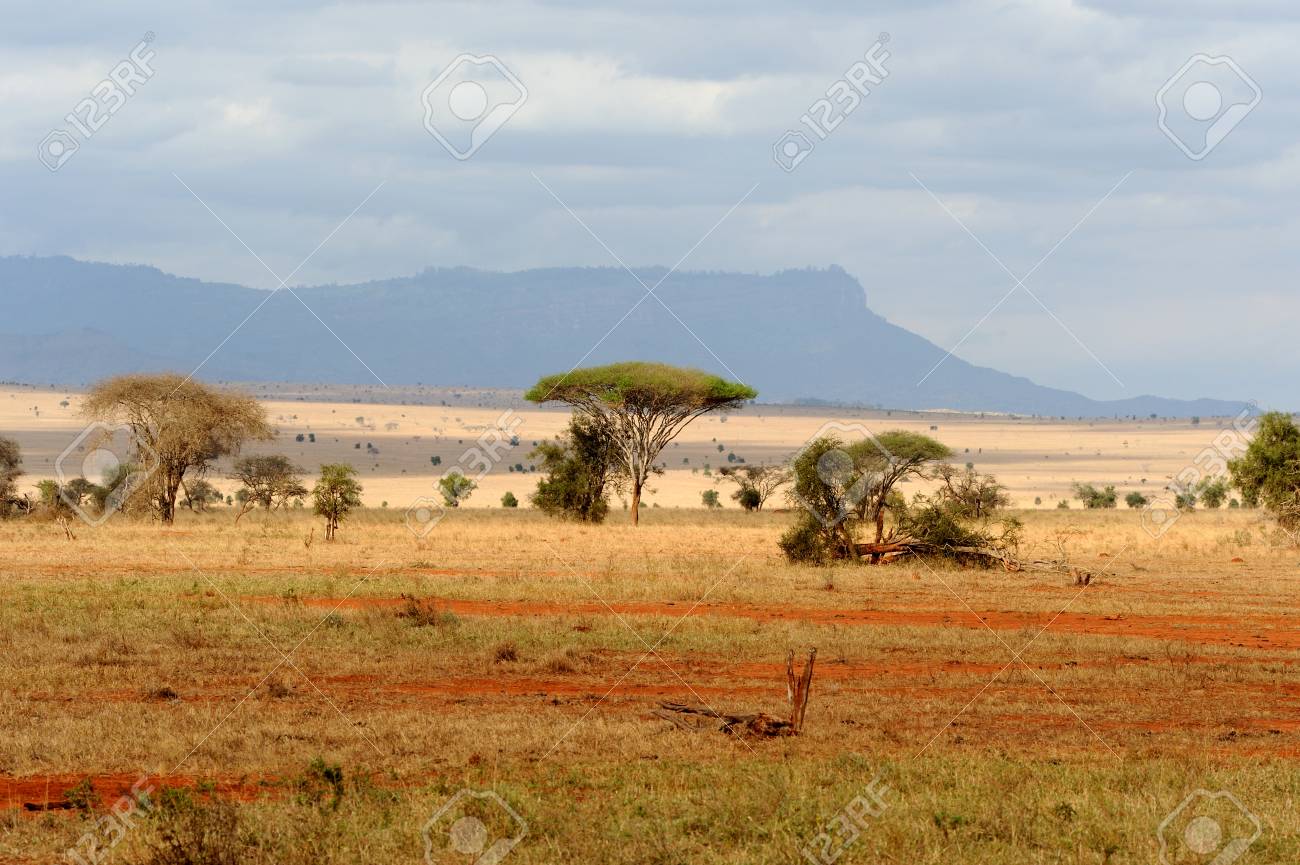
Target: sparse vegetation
pixel 755 484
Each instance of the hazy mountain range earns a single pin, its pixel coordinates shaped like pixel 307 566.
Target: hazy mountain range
pixel 805 335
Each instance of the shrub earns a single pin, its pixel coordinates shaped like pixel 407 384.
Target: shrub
pixel 455 488
pixel 581 469
pixel 1094 498
pixel 1136 500
pixel 1212 492
pixel 509 501
pixel 196 834
pixel 709 498
pixel 805 542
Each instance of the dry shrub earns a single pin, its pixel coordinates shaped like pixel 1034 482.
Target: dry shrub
pixel 424 612
pixel 191 833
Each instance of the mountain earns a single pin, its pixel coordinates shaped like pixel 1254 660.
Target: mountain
pixel 797 335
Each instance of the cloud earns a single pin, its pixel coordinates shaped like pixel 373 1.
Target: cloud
pixel 650 122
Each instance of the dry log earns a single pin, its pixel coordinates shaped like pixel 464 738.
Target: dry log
pixel 891 551
pixel 761 724
pixel 757 724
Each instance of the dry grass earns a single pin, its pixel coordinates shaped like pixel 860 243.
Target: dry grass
pixel 518 662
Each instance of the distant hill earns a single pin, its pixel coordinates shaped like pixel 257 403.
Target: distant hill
pixel 798 335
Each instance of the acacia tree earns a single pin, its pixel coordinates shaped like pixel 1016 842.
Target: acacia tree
pixel 641 406
pixel 335 495
pixel 179 423
pixel 756 483
pixel 886 460
pixel 968 493
pixel 270 481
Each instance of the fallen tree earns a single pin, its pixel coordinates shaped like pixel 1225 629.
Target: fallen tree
pixel 759 724
pixel 995 555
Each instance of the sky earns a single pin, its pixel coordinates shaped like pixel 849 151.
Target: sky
pixel 999 176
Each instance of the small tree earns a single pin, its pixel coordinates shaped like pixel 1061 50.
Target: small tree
pixel 641 406
pixel 1136 500
pixel 756 483
pixel 270 481
pixel 10 461
pixel 969 494
pixel 50 496
pixel 709 498
pixel 199 494
pixel 509 501
pixel 1212 492
pixel 581 467
pixel 1094 498
pixel 184 425
pixel 891 458
pixel 335 495
pixel 455 488
pixel 1268 473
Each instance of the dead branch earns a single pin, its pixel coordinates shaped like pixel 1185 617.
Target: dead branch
pixel 757 724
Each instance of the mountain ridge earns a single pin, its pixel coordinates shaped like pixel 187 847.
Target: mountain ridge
pixel 795 335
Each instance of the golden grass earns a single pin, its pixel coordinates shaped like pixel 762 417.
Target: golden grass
pixel 137 649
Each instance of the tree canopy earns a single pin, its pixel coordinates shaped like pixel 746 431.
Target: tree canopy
pixel 180 426
pixel 641 406
pixel 268 480
pixel 1268 473
pixel 10 461
pixel 335 495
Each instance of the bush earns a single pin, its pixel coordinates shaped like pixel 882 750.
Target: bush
pixel 196 834
pixel 805 542
pixel 1094 498
pixel 580 468
pixel 749 498
pixel 509 501
pixel 1213 492
pixel 709 498
pixel 1136 500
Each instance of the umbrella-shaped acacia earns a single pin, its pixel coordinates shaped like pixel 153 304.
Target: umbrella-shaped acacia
pixel 643 406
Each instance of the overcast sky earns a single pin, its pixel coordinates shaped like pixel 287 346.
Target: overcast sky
pixel 1004 132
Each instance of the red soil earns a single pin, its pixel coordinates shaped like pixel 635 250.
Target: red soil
pixel 48 792
pixel 1256 632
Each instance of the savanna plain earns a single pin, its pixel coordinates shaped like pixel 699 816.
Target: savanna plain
pixel 287 700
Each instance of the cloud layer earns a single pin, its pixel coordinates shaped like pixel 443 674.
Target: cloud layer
pixel 650 123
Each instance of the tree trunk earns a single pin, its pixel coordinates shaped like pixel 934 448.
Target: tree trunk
pixel 636 502
pixel 167 501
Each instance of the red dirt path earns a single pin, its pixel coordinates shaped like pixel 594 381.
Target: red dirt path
pixel 1255 632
